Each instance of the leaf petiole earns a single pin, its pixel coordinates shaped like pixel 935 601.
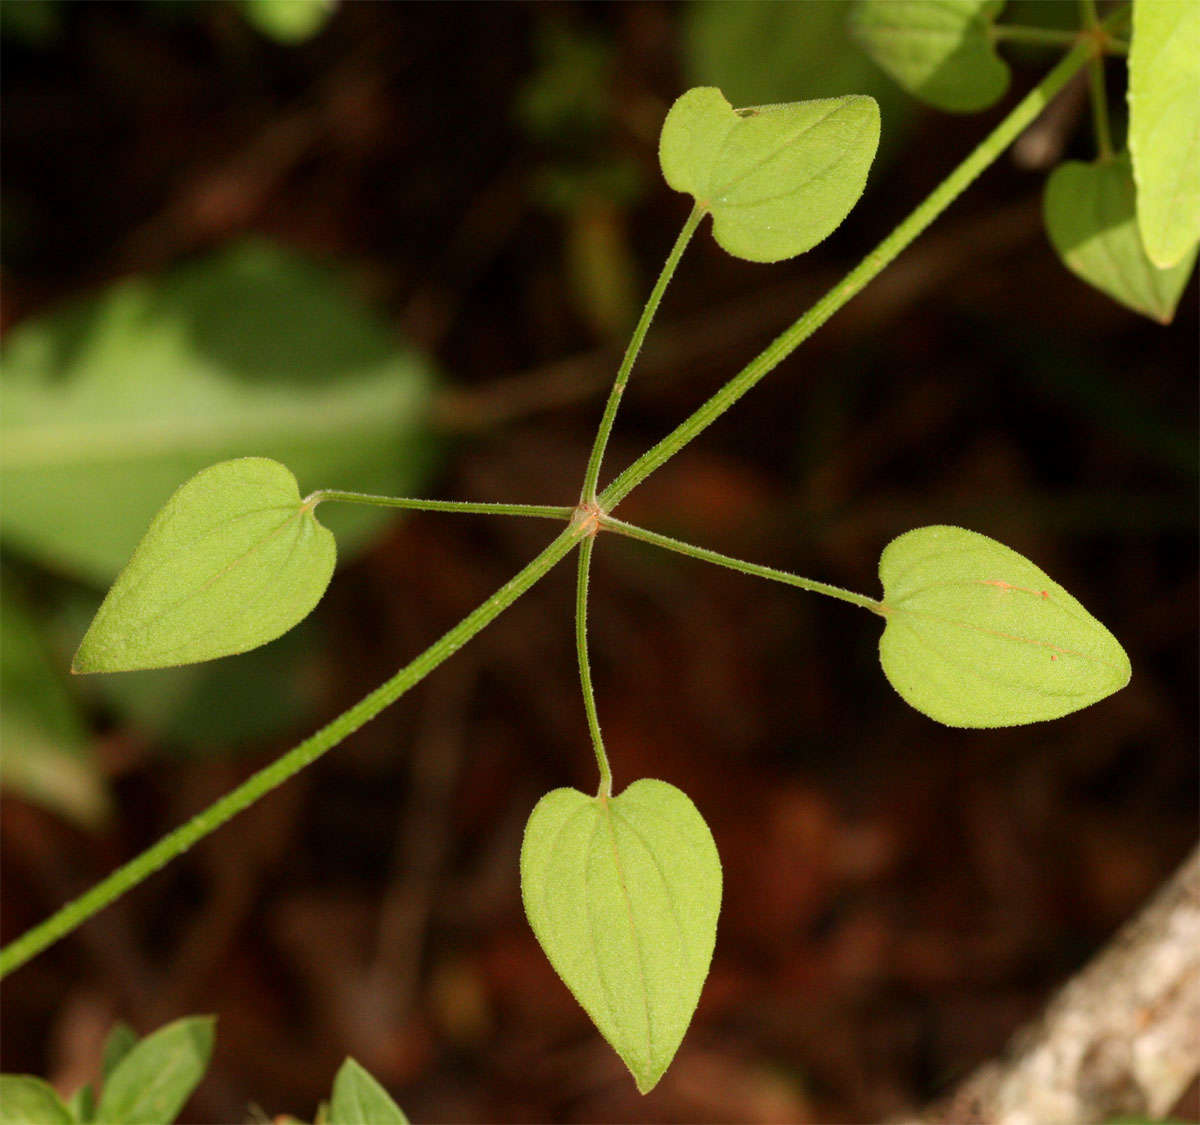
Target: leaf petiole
pixel 631 531
pixel 1040 36
pixel 585 670
pixel 587 494
pixel 544 511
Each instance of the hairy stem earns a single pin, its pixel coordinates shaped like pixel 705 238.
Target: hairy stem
pixel 631 531
pixel 587 494
pixel 259 784
pixel 585 668
pixel 545 511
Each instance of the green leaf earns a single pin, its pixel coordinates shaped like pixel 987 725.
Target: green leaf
pixel 121 1040
pixel 759 54
pixel 1164 126
pixel 25 1100
pixel 977 636
pixel 623 895
pixel 940 51
pixel 153 1081
pixel 252 351
pixel 82 1103
pixel 358 1099
pixel 1089 213
pixel 233 560
pixel 776 179
pixel 46 757
pixel 288 21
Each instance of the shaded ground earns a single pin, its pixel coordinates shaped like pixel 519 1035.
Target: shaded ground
pixel 899 896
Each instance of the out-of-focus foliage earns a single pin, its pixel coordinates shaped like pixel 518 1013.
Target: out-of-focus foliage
pixel 1089 213
pixel 45 756
pixel 113 402
pixel 288 21
pixel 941 53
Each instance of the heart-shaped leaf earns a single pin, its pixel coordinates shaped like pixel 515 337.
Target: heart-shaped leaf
pixel 977 636
pixel 1089 213
pixel 1164 126
pixel 776 179
pixel 940 51
pixel 233 560
pixel 623 895
pixel 156 1077
pixel 359 1099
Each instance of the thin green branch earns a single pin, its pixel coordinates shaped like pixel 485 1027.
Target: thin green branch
pixel 258 785
pixel 545 511
pixel 587 494
pixel 585 668
pixel 1096 92
pixel 632 531
pixel 1039 36
pixel 784 344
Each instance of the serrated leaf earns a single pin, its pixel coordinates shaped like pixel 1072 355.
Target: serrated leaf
pixel 46 756
pixel 1089 214
pixel 233 560
pixel 252 351
pixel 1164 126
pixel 623 895
pixel 150 1085
pixel 776 179
pixel 359 1099
pixel 25 1100
pixel 940 51
pixel 977 636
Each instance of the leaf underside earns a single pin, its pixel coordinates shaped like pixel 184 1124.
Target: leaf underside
pixel 1090 216
pixel 978 636
pixel 940 51
pixel 623 895
pixel 232 560
pixel 1164 126
pixel 776 179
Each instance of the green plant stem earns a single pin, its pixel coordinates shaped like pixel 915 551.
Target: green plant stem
pixel 587 494
pixel 631 531
pixel 259 784
pixel 783 345
pixel 1045 36
pixel 132 873
pixel 545 511
pixel 585 668
pixel 1099 100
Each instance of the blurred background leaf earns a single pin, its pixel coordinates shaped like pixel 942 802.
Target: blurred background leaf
pixel 113 402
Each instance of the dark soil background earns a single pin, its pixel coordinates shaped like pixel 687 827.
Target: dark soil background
pixel 899 896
